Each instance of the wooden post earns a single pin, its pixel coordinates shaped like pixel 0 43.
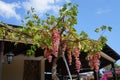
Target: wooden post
pixel 114 72
pixel 42 69
pixel 1 57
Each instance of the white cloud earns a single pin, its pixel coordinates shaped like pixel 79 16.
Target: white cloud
pixel 103 11
pixel 8 10
pixel 43 6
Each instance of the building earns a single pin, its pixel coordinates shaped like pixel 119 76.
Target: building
pixel 35 67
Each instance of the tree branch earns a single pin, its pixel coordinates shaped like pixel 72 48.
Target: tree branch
pixel 68 40
pixel 59 21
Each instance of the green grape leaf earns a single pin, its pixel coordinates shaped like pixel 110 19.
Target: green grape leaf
pixel 83 34
pixel 103 27
pixel 109 28
pixel 97 30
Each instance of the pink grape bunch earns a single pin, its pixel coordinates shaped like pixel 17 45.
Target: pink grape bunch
pixel 48 55
pixel 64 46
pixel 94 61
pixel 76 54
pixel 55 41
pixel 69 55
pixel 77 64
pixel 55 45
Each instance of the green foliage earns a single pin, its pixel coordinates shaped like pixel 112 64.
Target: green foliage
pixel 97 30
pixel 38 32
pixel 84 35
pixel 109 28
pixel 103 28
pixel 117 66
pixel 2 32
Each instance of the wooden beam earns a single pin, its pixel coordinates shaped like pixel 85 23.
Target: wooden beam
pixel 8 27
pixel 33 58
pixel 107 57
pixel 1 57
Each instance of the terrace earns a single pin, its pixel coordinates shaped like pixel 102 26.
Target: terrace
pixel 36 66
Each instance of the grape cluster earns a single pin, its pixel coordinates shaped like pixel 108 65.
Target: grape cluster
pixel 55 41
pixel 94 61
pixel 77 61
pixel 47 54
pixel 69 57
pixel 77 64
pixel 64 46
pixel 76 54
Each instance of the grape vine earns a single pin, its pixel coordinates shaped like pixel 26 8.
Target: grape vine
pixel 56 35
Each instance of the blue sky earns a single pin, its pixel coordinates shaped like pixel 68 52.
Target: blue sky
pixel 92 14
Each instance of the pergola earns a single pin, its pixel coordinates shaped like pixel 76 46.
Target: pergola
pixel 109 56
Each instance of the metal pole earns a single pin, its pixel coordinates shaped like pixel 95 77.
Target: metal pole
pixel 96 75
pixel 114 72
pixel 63 56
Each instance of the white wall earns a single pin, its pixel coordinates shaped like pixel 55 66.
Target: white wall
pixel 15 70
